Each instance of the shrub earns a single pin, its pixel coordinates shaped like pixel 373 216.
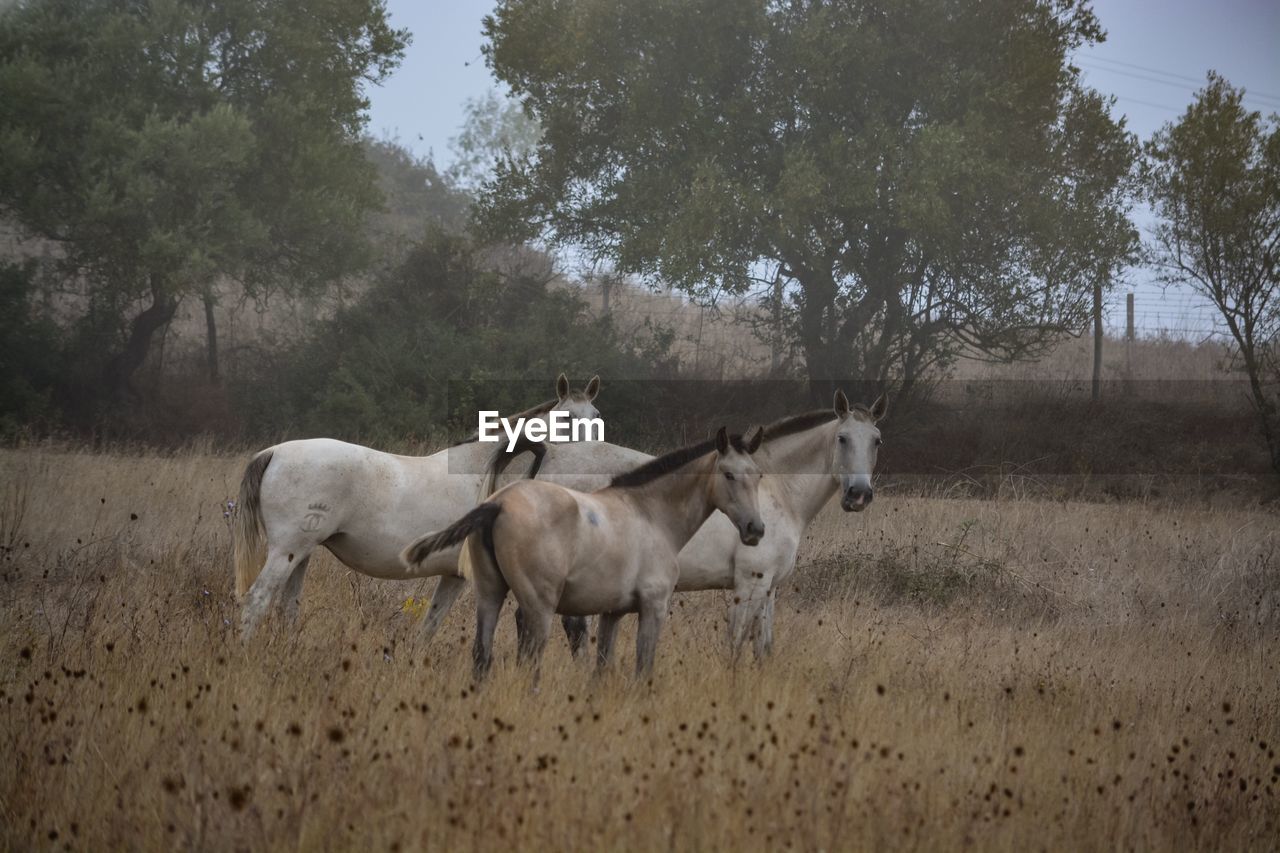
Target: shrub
pixel 385 368
pixel 31 354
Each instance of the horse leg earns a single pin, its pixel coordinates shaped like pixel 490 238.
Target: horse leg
pixel 521 622
pixel 448 588
pixel 747 602
pixel 274 576
pixel 491 593
pixel 575 628
pixel 764 628
pixel 537 629
pixel 606 633
pixel 291 597
pixel 653 613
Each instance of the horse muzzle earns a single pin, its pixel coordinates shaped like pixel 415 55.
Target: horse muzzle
pixel 856 500
pixel 751 533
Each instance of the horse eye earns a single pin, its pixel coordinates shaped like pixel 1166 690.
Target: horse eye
pixel 878 441
pixel 728 476
pixel 844 440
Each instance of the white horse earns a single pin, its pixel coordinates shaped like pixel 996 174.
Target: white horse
pixel 361 504
pixel 806 460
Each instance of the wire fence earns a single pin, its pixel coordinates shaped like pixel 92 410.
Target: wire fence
pixel 740 337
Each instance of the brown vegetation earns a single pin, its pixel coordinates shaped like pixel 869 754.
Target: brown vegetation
pixel 1005 674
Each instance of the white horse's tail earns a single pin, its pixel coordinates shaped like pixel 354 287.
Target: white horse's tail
pixel 502 457
pixel 479 520
pixel 478 550
pixel 247 529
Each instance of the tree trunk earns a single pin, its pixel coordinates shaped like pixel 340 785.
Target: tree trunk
pixel 1253 370
pixel 820 368
pixel 211 338
pixel 1265 408
pixel 818 298
pixel 119 370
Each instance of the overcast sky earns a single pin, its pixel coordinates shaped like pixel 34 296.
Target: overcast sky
pixel 1155 56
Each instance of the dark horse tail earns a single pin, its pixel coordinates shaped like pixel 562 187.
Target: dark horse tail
pixel 479 520
pixel 502 457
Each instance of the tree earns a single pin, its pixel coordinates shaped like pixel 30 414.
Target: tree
pixel 163 144
pixel 417 196
pixel 494 130
pixel 1213 178
pixel 925 176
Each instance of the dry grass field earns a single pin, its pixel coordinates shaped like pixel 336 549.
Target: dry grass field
pixel 1003 674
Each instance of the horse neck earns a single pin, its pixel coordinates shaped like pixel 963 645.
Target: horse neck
pixel 798 471
pixel 678 503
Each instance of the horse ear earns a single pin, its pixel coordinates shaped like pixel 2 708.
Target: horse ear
pixel 722 441
pixel 754 438
pixel 593 388
pixel 841 403
pixel 562 386
pixel 880 407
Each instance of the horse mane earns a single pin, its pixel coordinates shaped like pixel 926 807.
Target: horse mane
pixel 670 462
pixel 793 424
pixel 540 409
pixel 790 425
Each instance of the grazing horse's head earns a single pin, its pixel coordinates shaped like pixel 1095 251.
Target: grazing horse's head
pixel 854 453
pixel 579 404
pixel 736 481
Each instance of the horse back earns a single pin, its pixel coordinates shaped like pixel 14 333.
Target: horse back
pixel 538 510
pixel 332 486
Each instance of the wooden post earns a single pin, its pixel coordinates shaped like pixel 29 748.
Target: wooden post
pixel 1128 337
pixel 697 347
pixel 775 343
pixel 1097 340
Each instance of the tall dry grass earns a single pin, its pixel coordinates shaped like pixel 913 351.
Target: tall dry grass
pixel 950 673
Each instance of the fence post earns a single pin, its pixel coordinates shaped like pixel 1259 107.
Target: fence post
pixel 1128 337
pixel 1097 340
pixel 775 335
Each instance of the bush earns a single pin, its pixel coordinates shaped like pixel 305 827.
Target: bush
pixel 387 368
pixel 31 355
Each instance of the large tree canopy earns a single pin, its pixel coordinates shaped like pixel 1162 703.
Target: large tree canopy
pixel 163 143
pixel 920 176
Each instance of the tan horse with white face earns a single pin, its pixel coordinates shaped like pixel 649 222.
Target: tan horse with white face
pixel 611 552
pixel 361 504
